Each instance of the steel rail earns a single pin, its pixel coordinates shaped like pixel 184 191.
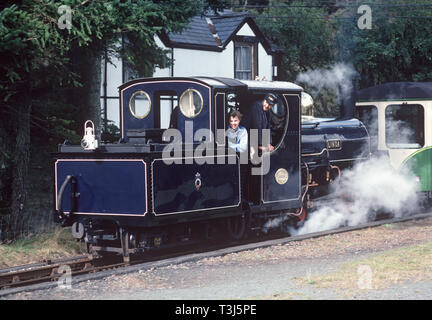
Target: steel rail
pixel 40 264
pixel 49 272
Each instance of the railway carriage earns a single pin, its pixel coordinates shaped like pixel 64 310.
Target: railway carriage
pixel 157 186
pixel 398 116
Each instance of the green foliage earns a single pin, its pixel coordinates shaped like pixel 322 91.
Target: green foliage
pixel 216 5
pixel 325 103
pixel 112 132
pixel 34 50
pixel 301 32
pixel 38 68
pixel 305 34
pixel 398 46
pixel 317 34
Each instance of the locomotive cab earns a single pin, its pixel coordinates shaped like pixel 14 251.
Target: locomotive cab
pixel 173 169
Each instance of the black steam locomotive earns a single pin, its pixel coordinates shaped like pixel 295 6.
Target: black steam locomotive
pixel 173 177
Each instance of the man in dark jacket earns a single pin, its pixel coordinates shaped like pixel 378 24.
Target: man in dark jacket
pixel 259 118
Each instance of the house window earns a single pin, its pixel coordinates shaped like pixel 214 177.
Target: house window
pixel 245 66
pixel 128 72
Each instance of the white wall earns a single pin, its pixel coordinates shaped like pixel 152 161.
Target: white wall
pixel 204 63
pixel 265 63
pixel 114 76
pixel 166 72
pixel 114 80
pixel 246 31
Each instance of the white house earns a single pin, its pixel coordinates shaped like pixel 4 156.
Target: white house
pixel 225 45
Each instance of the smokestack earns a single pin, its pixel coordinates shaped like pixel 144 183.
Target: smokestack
pixel 347 99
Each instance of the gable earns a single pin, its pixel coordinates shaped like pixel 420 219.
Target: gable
pixel 215 32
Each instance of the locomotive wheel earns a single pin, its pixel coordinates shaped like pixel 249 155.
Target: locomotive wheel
pixel 207 232
pixel 303 214
pixel 236 227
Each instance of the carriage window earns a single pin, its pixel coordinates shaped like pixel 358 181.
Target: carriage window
pixel 404 126
pixel 369 116
pixel 140 104
pixel 191 103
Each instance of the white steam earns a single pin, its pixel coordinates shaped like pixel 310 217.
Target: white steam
pixel 370 187
pixel 337 77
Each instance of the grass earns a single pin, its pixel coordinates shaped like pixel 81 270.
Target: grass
pixel 53 245
pixel 380 271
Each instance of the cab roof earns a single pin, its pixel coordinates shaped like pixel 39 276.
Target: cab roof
pixel 227 83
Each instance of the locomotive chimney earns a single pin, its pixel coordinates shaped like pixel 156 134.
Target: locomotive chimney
pixel 347 99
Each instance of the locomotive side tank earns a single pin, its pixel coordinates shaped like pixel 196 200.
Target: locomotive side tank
pixel 328 147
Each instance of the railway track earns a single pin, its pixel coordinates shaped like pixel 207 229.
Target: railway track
pixel 52 271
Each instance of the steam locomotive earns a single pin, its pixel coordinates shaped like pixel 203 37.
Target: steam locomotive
pixel 172 176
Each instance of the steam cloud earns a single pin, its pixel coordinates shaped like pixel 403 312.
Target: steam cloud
pixel 370 187
pixel 337 77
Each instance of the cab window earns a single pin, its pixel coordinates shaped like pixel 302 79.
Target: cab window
pixel 191 103
pixel 140 104
pixel 279 114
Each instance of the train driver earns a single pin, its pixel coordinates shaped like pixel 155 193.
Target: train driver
pixel 259 118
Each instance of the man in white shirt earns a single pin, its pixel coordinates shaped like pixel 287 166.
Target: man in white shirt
pixel 238 141
pixel 237 135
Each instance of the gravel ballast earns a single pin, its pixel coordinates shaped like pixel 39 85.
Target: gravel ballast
pixel 353 265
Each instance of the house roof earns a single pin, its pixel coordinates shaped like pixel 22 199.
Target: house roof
pixel 214 32
pixel 227 25
pixel 197 33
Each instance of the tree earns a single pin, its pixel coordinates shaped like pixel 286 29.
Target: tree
pixel 37 57
pixel 302 32
pixel 30 60
pixel 397 47
pixel 305 32
pixel 318 34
